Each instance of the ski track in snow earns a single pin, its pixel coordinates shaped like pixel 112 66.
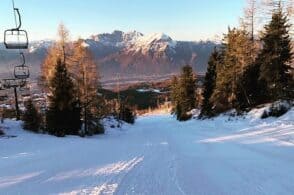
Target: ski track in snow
pixel 158 155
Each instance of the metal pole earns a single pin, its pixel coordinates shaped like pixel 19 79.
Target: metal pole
pixel 16 105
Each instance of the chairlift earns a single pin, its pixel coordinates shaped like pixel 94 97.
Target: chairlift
pixel 13 83
pixel 25 91
pixel 16 38
pixel 22 71
pixel 9 83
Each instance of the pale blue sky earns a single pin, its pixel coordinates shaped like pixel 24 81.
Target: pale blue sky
pixel 181 19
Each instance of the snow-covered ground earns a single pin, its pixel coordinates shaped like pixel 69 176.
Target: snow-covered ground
pixel 158 155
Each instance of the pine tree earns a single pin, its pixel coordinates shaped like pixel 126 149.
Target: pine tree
pixel 31 117
pixel 175 94
pixel 187 88
pixel 235 58
pixel 276 56
pixel 63 115
pixel 183 94
pixel 209 85
pixel 125 113
pixel 250 86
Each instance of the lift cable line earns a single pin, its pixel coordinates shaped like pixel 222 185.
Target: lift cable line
pixel 13 10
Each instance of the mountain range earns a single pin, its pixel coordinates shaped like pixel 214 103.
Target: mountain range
pixel 126 54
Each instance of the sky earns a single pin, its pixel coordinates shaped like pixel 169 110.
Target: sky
pixel 181 19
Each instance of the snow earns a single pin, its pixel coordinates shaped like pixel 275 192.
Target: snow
pixel 148 39
pixel 158 155
pixel 134 41
pixel 148 90
pixel 84 44
pixel 6 106
pixel 157 41
pixel 131 37
pixel 116 38
pixel 35 45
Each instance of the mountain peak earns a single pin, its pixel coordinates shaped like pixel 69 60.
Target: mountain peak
pixel 132 36
pixel 154 41
pixel 160 36
pixel 117 38
pixel 154 37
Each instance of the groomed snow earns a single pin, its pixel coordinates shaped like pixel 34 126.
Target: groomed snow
pixel 158 155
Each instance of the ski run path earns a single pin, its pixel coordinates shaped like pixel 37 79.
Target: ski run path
pixel 158 155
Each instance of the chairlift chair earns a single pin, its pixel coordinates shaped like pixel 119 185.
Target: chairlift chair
pixel 22 71
pixel 9 83
pixel 16 38
pixel 12 83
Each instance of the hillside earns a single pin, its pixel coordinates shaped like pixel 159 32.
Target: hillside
pixel 158 155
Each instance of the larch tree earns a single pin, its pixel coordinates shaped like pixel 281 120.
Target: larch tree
pixel 250 19
pixel 62 50
pixel 86 77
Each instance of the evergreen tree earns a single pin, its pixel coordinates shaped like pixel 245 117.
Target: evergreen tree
pixel 275 57
pixel 126 114
pixel 209 85
pixel 250 86
pixel 183 93
pixel 187 88
pixel 175 94
pixel 63 115
pixel 31 117
pixel 234 59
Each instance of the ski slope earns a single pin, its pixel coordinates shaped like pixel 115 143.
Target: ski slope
pixel 158 155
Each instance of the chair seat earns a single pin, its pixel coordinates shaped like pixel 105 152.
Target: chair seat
pixel 16 45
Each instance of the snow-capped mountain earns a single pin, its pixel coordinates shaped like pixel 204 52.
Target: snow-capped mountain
pixel 37 45
pixel 155 42
pixel 128 53
pixel 133 53
pixel 115 39
pixel 132 40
